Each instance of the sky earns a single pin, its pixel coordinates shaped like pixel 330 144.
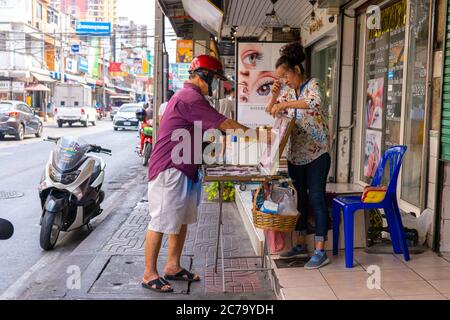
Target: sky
pixel 143 12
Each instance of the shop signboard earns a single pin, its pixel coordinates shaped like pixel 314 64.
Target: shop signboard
pixel 75 48
pixel 92 28
pixel 83 64
pixel 14 87
pixel 322 26
pixel 71 65
pixel 255 77
pixel 118 69
pixel 180 74
pixel 5 86
pixel 18 87
pixel 185 50
pixel 93 58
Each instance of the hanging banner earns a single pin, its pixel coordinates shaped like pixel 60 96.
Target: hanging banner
pixel 185 49
pixel 255 77
pixel 93 28
pixel 118 69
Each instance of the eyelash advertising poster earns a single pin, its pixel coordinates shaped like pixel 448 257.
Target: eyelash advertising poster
pixel 255 77
pixel 372 154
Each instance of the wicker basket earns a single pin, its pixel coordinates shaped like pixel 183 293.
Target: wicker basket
pixel 273 222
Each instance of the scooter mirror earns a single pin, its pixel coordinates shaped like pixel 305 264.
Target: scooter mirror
pixel 6 229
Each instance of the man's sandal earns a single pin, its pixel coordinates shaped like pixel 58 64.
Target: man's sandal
pixel 158 285
pixel 183 275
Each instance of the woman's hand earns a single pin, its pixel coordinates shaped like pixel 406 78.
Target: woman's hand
pixel 276 89
pixel 279 108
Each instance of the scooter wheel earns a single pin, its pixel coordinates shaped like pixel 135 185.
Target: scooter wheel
pixel 146 154
pixel 49 230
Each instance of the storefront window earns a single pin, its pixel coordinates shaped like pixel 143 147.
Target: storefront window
pixel 415 101
pixel 384 86
pixel 324 68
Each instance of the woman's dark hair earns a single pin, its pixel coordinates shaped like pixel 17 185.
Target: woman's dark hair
pixel 292 55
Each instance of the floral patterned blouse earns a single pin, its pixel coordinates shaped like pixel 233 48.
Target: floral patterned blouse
pixel 310 138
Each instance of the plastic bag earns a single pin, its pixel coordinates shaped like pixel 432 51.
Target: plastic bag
pixel 288 206
pixel 275 240
pixel 422 224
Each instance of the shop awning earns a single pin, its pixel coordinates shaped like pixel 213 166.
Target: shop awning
pixel 91 81
pixel 126 89
pixel 42 77
pixel 110 90
pixel 121 97
pixel 37 87
pixel 181 22
pixel 75 78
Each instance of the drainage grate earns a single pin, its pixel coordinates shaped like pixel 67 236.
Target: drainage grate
pixel 10 195
pixel 291 263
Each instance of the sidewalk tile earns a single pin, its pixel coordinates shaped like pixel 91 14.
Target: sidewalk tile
pixel 384 261
pixel 357 290
pixel 421 297
pixel 399 275
pixel 408 288
pixel 337 264
pixel 434 273
pixel 302 279
pixel 309 293
pixel 343 278
pixel 430 260
pixel 443 286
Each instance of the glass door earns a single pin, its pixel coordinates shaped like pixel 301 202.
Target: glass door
pixel 414 126
pixel 323 67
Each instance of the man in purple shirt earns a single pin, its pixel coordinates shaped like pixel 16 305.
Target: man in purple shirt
pixel 174 186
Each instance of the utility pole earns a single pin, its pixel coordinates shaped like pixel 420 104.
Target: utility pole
pixel 104 75
pixel 61 52
pixel 158 68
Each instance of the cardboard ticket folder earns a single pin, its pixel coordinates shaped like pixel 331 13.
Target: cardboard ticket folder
pixel 267 168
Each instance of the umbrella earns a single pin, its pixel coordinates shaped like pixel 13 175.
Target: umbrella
pixel 37 87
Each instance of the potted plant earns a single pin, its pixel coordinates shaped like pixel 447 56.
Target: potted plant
pixel 212 190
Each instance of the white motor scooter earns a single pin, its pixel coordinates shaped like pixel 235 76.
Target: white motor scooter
pixel 70 188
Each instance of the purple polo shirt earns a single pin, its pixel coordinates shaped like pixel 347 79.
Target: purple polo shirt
pixel 186 107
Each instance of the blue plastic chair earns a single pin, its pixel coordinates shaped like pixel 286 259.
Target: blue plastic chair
pixel 351 204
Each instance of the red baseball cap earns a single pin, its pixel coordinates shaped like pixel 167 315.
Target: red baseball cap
pixel 210 63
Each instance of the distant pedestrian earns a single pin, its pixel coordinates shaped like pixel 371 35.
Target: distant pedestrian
pixel 163 106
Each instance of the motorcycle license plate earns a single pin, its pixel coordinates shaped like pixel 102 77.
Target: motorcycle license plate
pixel 127 123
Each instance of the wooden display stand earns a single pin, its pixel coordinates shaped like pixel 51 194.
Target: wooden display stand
pixel 265 174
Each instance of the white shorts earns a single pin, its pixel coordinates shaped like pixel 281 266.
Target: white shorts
pixel 173 201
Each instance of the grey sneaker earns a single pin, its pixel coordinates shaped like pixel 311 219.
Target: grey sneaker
pixel 318 260
pixel 298 251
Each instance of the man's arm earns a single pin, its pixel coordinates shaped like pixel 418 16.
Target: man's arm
pixel 230 124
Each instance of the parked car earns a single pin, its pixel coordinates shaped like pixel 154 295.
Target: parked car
pixel 125 117
pixel 17 119
pixel 73 104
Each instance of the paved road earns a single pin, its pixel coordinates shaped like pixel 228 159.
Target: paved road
pixel 21 166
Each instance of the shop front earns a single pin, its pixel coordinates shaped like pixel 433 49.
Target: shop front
pixel 392 97
pixel 320 42
pixel 12 90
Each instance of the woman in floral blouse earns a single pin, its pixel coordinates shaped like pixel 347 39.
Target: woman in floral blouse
pixel 308 151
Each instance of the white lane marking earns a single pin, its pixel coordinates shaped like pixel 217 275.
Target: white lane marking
pixel 4 154
pixel 17 288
